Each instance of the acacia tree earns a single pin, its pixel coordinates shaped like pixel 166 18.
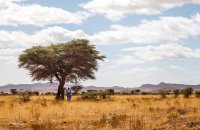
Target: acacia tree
pixel 76 88
pixel 65 62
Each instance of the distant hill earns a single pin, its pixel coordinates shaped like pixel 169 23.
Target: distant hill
pixel 166 86
pixel 41 87
pixel 52 87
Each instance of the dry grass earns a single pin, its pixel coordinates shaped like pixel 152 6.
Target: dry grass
pixel 120 112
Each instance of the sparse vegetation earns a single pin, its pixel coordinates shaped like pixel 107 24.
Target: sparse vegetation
pixel 76 89
pixel 13 91
pixel 187 92
pixel 127 112
pixel 197 94
pixel 176 93
pixel 25 95
pixel 162 94
pixel 95 95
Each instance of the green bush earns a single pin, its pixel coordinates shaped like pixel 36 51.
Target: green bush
pixel 13 91
pixel 162 94
pixel 95 95
pixel 104 94
pixel 89 95
pixel 187 92
pixel 197 94
pixel 110 91
pixel 176 93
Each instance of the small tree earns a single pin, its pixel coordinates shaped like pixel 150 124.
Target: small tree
pixel 13 91
pixel 132 91
pixel 76 88
pixel 64 62
pixel 176 93
pixel 25 95
pixel 197 94
pixel 137 91
pixel 110 91
pixel 187 92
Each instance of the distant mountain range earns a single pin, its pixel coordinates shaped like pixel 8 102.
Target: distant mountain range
pixel 41 87
pixel 52 87
pixel 166 86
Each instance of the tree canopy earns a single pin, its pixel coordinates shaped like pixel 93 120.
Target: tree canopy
pixel 63 62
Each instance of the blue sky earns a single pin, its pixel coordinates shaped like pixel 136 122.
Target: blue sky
pixel 144 41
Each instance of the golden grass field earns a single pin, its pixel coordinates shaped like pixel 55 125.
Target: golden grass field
pixel 135 112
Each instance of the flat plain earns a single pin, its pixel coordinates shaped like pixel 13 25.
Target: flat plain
pixel 120 112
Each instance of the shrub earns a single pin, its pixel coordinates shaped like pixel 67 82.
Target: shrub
pixel 2 93
pixel 116 119
pixel 132 91
pixel 182 111
pixel 136 123
pixel 95 95
pixel 36 93
pixel 176 93
pixel 197 94
pixel 137 91
pixel 49 93
pixel 110 91
pixel 103 94
pixel 89 95
pixel 187 92
pixel 162 94
pixel 13 91
pixel 25 96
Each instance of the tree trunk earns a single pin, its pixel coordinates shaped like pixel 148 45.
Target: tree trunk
pixel 60 94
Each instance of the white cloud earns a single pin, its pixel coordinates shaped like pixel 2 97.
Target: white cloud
pixel 18 39
pixel 176 67
pixel 163 30
pixel 15 12
pixel 118 9
pixel 10 52
pixel 160 52
pixel 9 55
pixel 56 35
pixel 128 59
pixel 14 39
pixel 14 42
pixel 197 17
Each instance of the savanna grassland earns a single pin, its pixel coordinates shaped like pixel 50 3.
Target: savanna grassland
pixel 135 112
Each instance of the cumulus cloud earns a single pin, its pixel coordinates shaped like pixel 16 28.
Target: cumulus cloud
pixel 116 10
pixel 14 42
pixel 160 52
pixel 197 17
pixel 163 30
pixel 15 12
pixel 18 39
pixel 9 55
pixel 128 59
pixel 176 67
